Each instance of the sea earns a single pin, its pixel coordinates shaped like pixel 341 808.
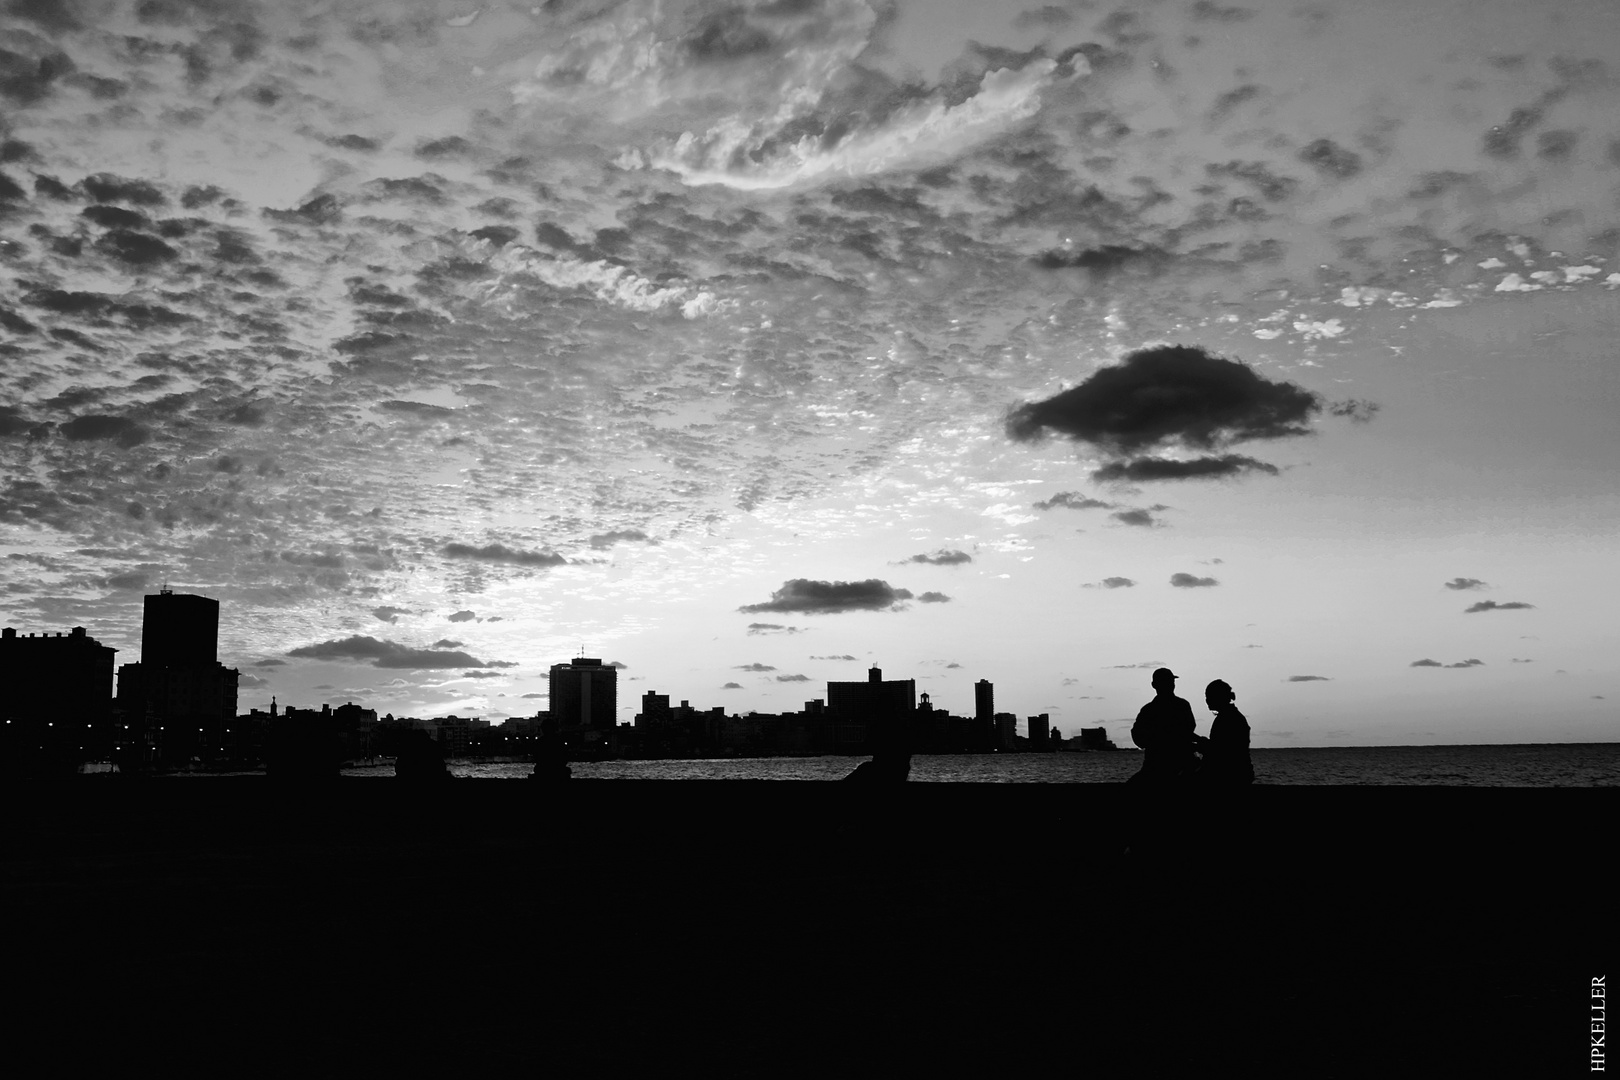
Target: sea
pixel 1534 765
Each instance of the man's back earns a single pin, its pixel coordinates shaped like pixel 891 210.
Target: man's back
pixel 1164 728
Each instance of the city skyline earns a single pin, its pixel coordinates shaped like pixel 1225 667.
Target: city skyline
pixel 748 346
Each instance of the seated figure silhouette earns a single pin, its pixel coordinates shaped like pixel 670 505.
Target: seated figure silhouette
pixel 551 759
pixel 1165 730
pixel 419 758
pixel 891 754
pixel 1226 751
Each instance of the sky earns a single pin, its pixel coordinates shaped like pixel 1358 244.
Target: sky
pixel 748 345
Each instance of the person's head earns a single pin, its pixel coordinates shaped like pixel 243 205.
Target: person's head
pixel 1164 681
pixel 1218 693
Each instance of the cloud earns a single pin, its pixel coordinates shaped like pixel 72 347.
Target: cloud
pixel 480 675
pixel 1465 583
pixel 1154 468
pixel 1467 664
pixel 269 663
pixel 1074 501
pixel 618 665
pixel 447 643
pixel 500 553
pixel 1135 517
pixel 1516 660
pixel 1188 581
pixel 756 667
pixel 125 431
pixel 389 614
pixel 772 628
pixel 616 536
pixel 1111 583
pixel 802 595
pixel 845 656
pixel 1171 397
pixel 933 598
pixel 1309 678
pixel 1492 605
pixel 536 695
pixel 1099 260
pixel 251 680
pixel 793 678
pixel 463 616
pixel 1357 410
pixel 952 664
pixel 385 654
pixel 1425 663
pixel 732 686
pixel 942 557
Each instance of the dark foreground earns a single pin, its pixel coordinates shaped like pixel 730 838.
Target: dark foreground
pixel 754 928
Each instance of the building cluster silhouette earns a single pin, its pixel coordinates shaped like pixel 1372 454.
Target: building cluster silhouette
pixel 176 709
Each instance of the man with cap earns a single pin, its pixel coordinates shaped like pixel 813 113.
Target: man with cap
pixel 1164 728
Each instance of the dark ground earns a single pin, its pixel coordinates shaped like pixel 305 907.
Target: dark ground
pixel 742 928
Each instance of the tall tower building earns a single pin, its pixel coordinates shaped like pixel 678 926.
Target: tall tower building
pixel 585 699
pixel 865 714
pixel 179 700
pixel 179 629
pixel 984 701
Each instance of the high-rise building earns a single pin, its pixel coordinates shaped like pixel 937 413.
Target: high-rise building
pixel 585 699
pixel 55 701
pixel 1039 730
pixel 984 700
pixel 865 714
pixel 179 701
pixel 179 629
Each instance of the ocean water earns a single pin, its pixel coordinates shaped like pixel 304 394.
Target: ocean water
pixel 1529 765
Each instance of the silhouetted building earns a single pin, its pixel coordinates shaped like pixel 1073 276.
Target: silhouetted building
pixel 865 713
pixel 1095 738
pixel 585 702
pixel 55 701
pixel 1006 730
pixel 178 702
pixel 1040 728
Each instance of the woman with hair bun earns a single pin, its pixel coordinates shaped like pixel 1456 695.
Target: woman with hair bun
pixel 1226 751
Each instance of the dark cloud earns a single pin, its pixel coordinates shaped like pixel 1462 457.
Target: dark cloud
pixel 802 595
pixel 755 667
pixel 726 35
pixel 1152 468
pixel 447 643
pixel 105 187
pixel 1208 11
pixel 1465 583
pixel 1134 517
pixel 942 557
pixel 500 553
pixel 616 536
pixel 793 678
pixel 1467 664
pixel 136 249
pixel 1049 17
pixel 1425 662
pixel 499 235
pixel 1309 678
pixel 952 665
pixel 536 695
pixel 125 431
pixel 933 598
pixel 772 628
pixel 1188 581
pixel 389 614
pixel 732 686
pixel 1331 159
pixel 1516 660
pixel 449 146
pixel 1074 501
pixel 480 674
pixel 1099 260
pixel 618 665
pixel 1171 396
pixel 1492 605
pixel 270 663
pixel 1111 583
pixel 845 656
pixel 134 579
pixel 115 217
pixel 385 654
pixel 463 616
pixel 1357 410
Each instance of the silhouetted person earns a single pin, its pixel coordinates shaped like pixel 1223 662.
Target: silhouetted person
pixel 1226 751
pixel 1165 729
pixel 420 758
pixel 551 759
pixel 891 754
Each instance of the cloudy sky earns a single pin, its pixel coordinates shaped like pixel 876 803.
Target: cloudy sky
pixel 748 345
